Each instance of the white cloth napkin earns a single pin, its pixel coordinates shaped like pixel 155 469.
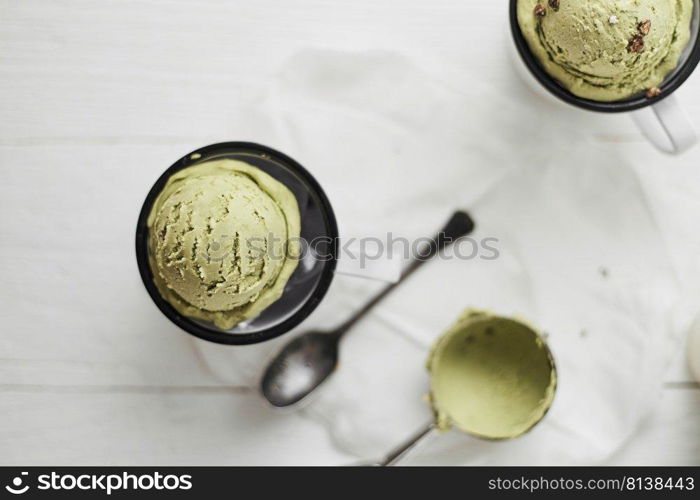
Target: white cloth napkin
pixel 596 241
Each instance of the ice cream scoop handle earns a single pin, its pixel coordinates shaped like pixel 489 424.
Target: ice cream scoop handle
pixel 666 125
pixel 400 451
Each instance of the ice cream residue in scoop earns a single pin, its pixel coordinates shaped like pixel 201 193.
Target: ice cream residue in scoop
pixel 492 377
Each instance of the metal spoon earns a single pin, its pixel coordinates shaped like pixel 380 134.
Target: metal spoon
pixel 308 360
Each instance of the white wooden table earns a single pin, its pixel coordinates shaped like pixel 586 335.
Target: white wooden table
pixel 106 91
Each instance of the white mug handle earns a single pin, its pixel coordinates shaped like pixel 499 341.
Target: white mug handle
pixel 376 264
pixel 666 125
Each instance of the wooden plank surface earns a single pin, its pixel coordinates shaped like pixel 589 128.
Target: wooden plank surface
pixel 125 87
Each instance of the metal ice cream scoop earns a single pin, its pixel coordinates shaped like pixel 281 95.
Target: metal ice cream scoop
pixel 308 360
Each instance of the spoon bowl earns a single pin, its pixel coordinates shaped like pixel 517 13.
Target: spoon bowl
pixel 303 365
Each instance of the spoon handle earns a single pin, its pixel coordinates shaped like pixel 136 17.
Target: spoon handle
pixel 393 457
pixel 460 224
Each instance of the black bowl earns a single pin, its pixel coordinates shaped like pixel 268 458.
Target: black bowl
pixel 310 281
pixel 689 60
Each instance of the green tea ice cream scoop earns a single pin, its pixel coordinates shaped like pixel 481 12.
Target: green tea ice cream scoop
pixel 223 241
pixel 606 50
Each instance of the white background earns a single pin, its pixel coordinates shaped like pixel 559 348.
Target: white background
pixel 105 95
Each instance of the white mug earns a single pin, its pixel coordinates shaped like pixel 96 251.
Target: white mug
pixel 661 119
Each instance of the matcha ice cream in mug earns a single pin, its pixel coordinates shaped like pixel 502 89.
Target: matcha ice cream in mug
pixel 237 243
pixel 607 50
pixel 613 56
pixel 223 240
